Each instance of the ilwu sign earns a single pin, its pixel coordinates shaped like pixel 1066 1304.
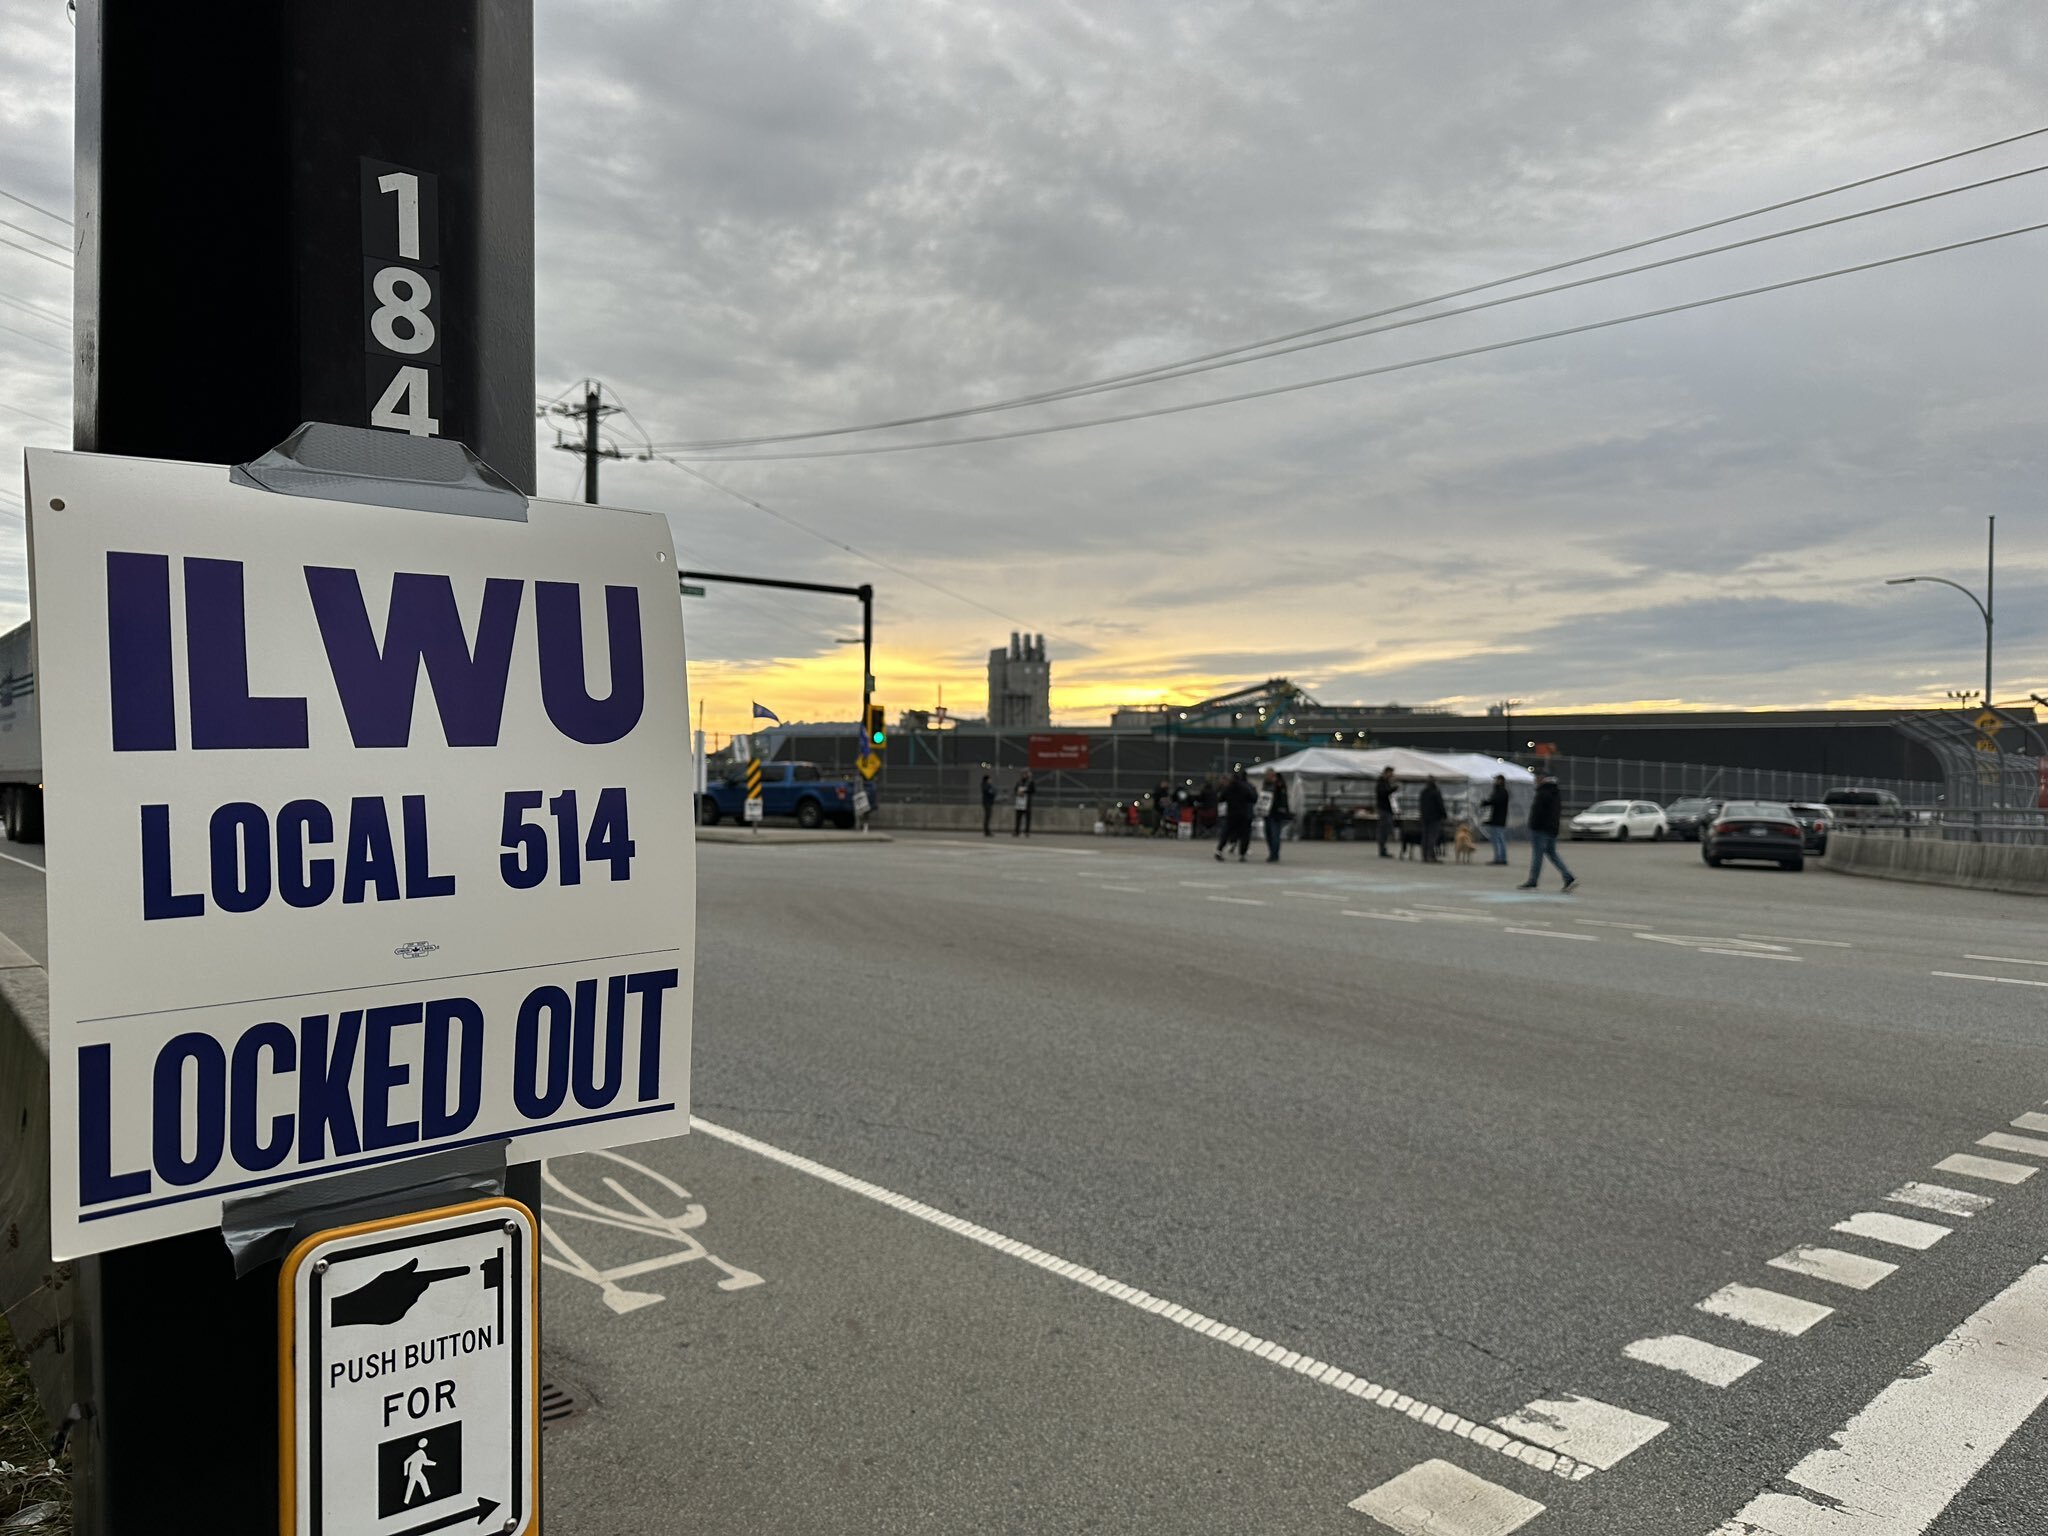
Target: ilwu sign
pixel 368 834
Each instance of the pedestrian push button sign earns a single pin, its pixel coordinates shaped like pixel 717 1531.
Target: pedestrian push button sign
pixel 408 1379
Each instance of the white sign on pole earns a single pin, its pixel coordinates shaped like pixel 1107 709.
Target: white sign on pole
pixel 368 835
pixel 754 808
pixel 861 804
pixel 408 1394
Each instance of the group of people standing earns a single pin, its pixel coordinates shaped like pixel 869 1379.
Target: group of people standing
pixel 1021 796
pixel 1546 819
pixel 1241 804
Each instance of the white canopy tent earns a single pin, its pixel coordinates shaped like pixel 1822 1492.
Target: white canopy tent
pixel 1325 775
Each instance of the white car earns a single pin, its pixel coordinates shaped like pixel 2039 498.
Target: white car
pixel 1621 820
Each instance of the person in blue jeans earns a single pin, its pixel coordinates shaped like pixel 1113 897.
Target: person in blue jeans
pixel 1546 815
pixel 1497 818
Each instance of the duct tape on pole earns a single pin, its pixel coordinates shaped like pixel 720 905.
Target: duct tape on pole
pixel 409 1376
pixel 385 811
pixel 753 789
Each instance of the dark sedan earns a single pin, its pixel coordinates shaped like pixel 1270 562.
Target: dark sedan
pixel 1763 831
pixel 1685 817
pixel 1816 821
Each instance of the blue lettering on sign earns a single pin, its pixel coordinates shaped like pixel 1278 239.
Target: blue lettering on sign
pixel 375 678
pixel 395 1074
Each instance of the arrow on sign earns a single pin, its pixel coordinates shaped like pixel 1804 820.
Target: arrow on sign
pixel 483 1508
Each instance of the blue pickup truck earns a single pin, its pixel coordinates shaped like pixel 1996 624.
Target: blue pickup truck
pixel 802 790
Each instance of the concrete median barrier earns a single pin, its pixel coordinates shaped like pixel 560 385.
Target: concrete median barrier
pixel 2020 869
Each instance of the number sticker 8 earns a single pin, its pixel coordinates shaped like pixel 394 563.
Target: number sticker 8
pixel 412 309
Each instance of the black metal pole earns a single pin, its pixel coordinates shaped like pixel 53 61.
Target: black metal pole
pixel 228 183
pixel 867 652
pixel 1990 572
pixel 590 445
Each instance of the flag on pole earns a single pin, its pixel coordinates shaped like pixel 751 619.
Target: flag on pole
pixel 763 712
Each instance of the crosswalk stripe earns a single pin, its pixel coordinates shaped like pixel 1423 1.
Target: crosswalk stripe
pixel 1772 1311
pixel 2031 1122
pixel 1900 1231
pixel 1974 1167
pixel 1999 1141
pixel 1939 1197
pixel 1435 1498
pixel 1583 1428
pixel 1834 1266
pixel 1679 1352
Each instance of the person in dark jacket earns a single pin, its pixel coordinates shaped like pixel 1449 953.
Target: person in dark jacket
pixel 1025 793
pixel 1277 812
pixel 1238 798
pixel 988 805
pixel 1545 816
pixel 1383 792
pixel 1497 818
pixel 1433 816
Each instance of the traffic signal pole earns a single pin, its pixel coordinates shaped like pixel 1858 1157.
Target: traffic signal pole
pixel 229 288
pixel 864 592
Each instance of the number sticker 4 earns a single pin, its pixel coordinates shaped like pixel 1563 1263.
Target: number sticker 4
pixel 404 404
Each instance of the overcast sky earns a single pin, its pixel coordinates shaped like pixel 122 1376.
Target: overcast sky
pixel 773 218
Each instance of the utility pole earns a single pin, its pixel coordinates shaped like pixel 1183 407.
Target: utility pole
pixel 590 412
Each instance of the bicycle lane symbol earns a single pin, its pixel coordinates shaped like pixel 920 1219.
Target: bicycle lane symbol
pixel 632 1213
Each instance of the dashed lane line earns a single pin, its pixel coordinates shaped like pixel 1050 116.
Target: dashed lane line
pixel 1775 938
pixel 1772 1311
pixel 1939 1197
pixel 1752 954
pixel 1435 1498
pixel 1128 890
pixel 2006 959
pixel 1973 1167
pixel 24 863
pixel 1384 917
pixel 1899 1231
pixel 2010 981
pixel 1322 1372
pixel 1545 933
pixel 1241 901
pixel 1703 1362
pixel 1900 1462
pixel 1835 1266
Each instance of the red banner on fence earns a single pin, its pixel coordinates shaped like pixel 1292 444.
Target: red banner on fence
pixel 1055 752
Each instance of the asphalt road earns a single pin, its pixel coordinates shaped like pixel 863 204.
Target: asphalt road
pixel 1083 1185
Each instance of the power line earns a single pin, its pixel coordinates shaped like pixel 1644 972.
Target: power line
pixel 16 197
pixel 32 251
pixel 38 340
pixel 51 316
pixel 32 416
pixel 1145 374
pixel 1368 373
pixel 23 229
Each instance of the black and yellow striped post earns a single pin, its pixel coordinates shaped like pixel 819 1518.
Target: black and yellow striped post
pixel 754 792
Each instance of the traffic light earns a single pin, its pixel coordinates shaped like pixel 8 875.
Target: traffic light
pixel 878 732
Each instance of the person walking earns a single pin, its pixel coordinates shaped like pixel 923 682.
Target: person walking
pixel 1274 795
pixel 1497 818
pixel 988 805
pixel 1545 816
pixel 1433 815
pixel 1238 798
pixel 1025 792
pixel 1386 806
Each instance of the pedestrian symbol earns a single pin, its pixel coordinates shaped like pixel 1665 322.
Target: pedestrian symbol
pixel 419 1468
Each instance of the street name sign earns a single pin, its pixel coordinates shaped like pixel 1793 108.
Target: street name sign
pixel 368 834
pixel 409 1376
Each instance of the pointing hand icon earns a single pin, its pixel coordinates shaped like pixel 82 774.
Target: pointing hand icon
pixel 390 1295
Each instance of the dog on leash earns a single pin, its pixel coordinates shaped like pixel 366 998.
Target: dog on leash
pixel 1411 839
pixel 1465 845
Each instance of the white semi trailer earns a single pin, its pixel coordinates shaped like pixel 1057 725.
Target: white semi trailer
pixel 21 739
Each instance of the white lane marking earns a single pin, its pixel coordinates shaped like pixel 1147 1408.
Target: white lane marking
pixel 2010 981
pixel 1384 917
pixel 1900 1231
pixel 24 863
pixel 936 844
pixel 1601 922
pixel 1972 1166
pixel 1241 901
pixel 1315 895
pixel 1435 1498
pixel 1680 1352
pixel 1897 1464
pixel 1201 885
pixel 1750 954
pixel 1322 1371
pixel 1128 890
pixel 1834 1266
pixel 1585 1428
pixel 1939 1197
pixel 1999 1141
pixel 2030 1122
pixel 2006 959
pixel 1545 933
pixel 1772 1311
pixel 1024 879
pixel 1775 938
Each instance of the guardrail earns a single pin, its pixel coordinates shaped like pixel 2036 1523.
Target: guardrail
pixel 2006 828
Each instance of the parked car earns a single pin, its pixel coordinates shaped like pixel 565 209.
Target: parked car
pixel 1761 831
pixel 1816 821
pixel 1684 817
pixel 1866 807
pixel 787 789
pixel 1620 820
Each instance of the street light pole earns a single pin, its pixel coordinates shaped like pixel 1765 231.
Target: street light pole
pixel 1983 606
